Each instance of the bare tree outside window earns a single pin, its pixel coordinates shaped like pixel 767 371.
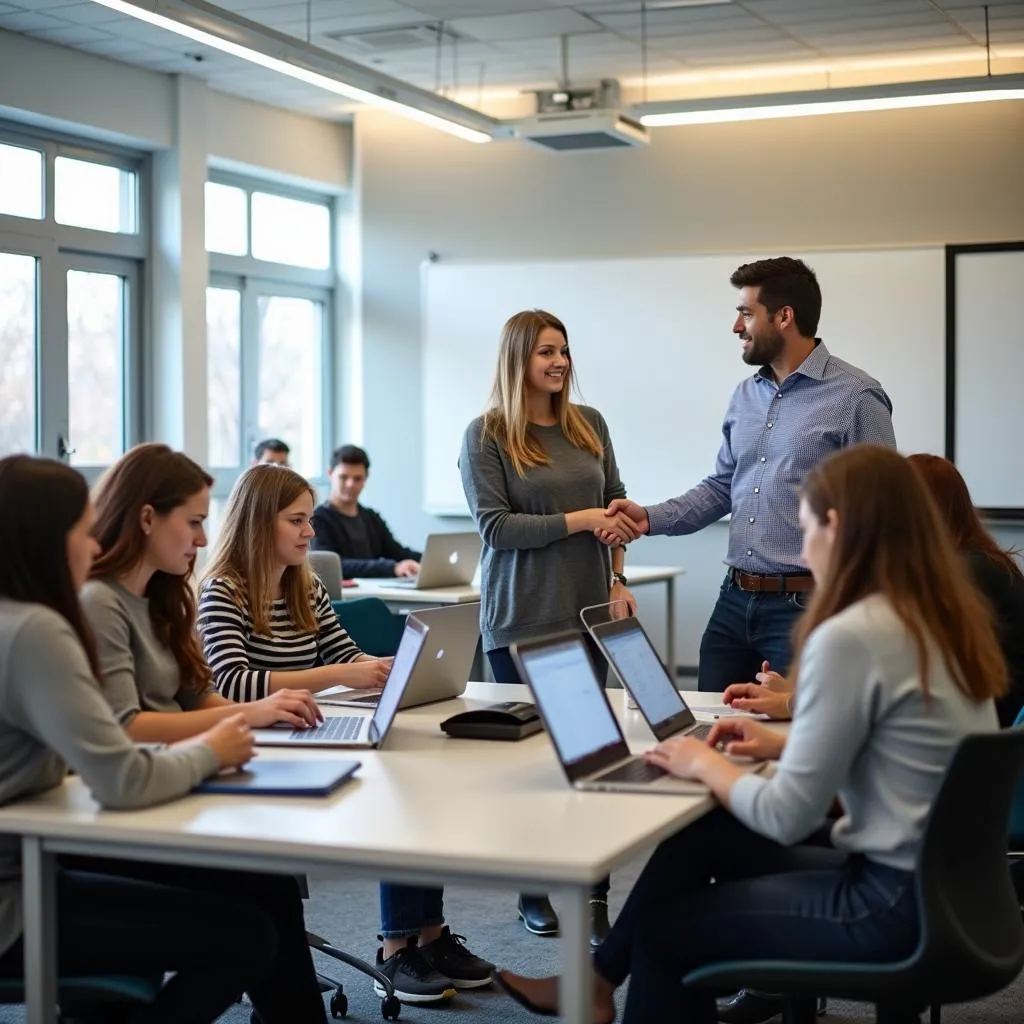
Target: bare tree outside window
pixel 17 353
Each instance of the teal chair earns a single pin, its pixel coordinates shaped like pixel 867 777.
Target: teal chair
pixel 370 622
pixel 90 993
pixel 1017 809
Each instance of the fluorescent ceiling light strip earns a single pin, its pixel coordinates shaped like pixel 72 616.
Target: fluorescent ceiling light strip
pixel 292 70
pixel 813 108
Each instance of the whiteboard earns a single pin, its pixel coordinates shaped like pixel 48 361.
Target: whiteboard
pixel 988 334
pixel 653 350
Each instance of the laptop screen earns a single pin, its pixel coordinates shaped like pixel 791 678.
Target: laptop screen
pixel 642 672
pixel 571 701
pixel 413 638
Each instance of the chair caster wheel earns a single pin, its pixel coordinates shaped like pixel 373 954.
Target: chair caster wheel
pixel 339 1005
pixel 390 1008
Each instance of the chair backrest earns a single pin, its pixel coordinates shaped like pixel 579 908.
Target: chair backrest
pixel 369 622
pixel 972 940
pixel 1017 807
pixel 327 565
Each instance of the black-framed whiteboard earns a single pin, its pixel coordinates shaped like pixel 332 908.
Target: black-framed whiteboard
pixel 985 373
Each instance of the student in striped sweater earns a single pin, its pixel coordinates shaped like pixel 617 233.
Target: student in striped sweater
pixel 266 622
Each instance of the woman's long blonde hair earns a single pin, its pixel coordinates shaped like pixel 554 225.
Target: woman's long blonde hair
pixel 246 550
pixel 506 422
pixel 891 540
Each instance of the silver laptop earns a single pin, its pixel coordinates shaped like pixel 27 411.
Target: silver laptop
pixel 449 560
pixel 641 671
pixel 359 731
pixel 443 668
pixel 583 728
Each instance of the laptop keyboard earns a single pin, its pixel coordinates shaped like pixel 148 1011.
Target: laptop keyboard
pixel 339 727
pixel 701 732
pixel 636 770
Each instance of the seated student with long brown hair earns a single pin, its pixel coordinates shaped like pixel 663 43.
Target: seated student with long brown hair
pixel 151 507
pixel 996 571
pixel 196 924
pixel 266 622
pixel 897 661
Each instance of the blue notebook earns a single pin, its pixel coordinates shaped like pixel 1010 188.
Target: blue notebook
pixel 284 778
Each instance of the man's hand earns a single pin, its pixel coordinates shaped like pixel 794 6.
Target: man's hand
pixel 629 509
pixel 407 567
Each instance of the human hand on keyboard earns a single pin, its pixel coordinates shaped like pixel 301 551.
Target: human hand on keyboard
pixel 682 756
pixel 744 737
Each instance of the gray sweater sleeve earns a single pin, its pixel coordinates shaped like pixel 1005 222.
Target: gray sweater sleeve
pixel 613 485
pixel 112 630
pixel 483 479
pixel 61 705
pixel 833 721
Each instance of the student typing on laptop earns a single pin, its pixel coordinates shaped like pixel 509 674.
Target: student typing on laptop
pixel 291 637
pixel 897 660
pixel 358 534
pixel 538 471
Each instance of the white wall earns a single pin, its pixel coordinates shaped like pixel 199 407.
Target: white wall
pixel 873 180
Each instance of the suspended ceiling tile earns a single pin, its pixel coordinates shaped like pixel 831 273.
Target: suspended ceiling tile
pixel 531 25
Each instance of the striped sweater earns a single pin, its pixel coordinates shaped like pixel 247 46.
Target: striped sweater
pixel 242 660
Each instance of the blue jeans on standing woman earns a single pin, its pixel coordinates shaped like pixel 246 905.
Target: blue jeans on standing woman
pixel 744 630
pixel 767 901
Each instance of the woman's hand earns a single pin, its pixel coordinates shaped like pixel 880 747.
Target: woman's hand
pixel 615 528
pixel 774 682
pixel 295 707
pixel 758 700
pixel 231 741
pixel 683 756
pixel 365 673
pixel 623 604
pixel 743 737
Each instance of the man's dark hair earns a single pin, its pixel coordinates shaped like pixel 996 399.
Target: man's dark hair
pixel 350 455
pixel 271 444
pixel 784 282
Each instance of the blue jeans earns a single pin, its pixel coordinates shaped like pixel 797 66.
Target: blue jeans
pixel 766 901
pixel 407 909
pixel 744 630
pixel 503 668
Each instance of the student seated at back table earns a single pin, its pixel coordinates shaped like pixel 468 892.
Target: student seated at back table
pixel 896 662
pixel 271 450
pixel 218 937
pixel 151 507
pixel 357 534
pixel 265 622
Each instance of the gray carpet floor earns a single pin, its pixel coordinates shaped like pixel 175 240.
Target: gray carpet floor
pixel 346 913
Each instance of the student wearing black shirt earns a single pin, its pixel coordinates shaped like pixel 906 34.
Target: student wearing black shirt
pixel 996 573
pixel 359 535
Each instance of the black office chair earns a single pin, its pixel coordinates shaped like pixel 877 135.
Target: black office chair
pixel 972 936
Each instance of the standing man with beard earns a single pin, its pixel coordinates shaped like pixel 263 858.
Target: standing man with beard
pixel 801 406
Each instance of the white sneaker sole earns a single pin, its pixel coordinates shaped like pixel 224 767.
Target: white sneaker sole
pixel 471 983
pixel 416 997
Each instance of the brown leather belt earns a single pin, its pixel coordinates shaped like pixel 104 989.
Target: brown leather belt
pixel 795 583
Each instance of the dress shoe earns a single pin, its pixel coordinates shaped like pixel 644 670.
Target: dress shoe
pixel 750 1007
pixel 537 914
pixel 599 926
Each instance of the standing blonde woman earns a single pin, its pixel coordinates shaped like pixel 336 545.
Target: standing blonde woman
pixel 539 471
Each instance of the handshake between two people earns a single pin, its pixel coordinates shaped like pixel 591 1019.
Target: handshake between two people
pixel 621 522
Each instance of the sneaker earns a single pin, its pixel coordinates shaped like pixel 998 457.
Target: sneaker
pixel 413 978
pixel 448 955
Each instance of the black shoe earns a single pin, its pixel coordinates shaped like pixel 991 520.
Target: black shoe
pixel 537 914
pixel 413 978
pixel 599 926
pixel 750 1007
pixel 448 955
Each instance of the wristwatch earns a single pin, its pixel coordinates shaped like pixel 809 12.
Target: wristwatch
pixel 617 577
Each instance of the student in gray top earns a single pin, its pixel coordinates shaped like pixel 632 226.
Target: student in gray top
pixel 53 717
pixel 151 506
pixel 538 472
pixel 897 660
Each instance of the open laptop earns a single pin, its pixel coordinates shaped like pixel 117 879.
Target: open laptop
pixel 641 671
pixel 449 560
pixel 442 669
pixel 585 732
pixel 359 731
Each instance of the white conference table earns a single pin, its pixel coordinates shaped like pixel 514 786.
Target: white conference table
pixel 508 818
pixel 406 599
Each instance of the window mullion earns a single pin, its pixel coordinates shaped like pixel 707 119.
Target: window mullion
pixel 250 376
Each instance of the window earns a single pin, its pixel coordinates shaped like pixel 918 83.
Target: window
pixel 21 182
pixel 18 291
pixel 268 316
pixel 69 298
